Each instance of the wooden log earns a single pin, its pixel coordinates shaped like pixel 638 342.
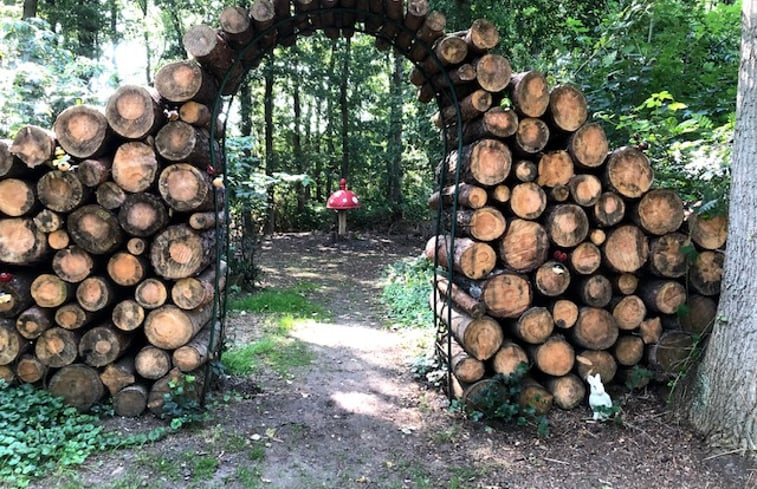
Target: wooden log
pixel 451 50
pixel 628 350
pixel 61 191
pixel 599 362
pixel 12 344
pixel 135 166
pixel 7 374
pixel 552 279
pixel 179 251
pixel 629 172
pixel 95 293
pixel 49 290
pixel 186 188
pixel 415 14
pixel 136 246
pixel 554 357
pixel 94 171
pixel 307 24
pixel 15 293
pixel 566 225
pixel 699 316
pixel 72 316
pixel 664 296
pixel 17 197
pixel 672 353
pixel 196 114
pixel 162 386
pixel 499 194
pixel 131 401
pixel 48 221
pixel 626 249
pixel 102 345
pixel 128 315
pixel 506 295
pixel 472 259
pixel 193 292
pixel 471 107
pixel 659 212
pixel 496 122
pixel 709 233
pixel 82 131
pixel 179 141
pixel 588 146
pixel 484 224
pixel 237 26
pixel 195 353
pixel 169 327
pixel 481 37
pixel 57 347
pixel 595 290
pixel 555 168
pixel 58 240
pixel 508 358
pixel 568 390
pixel 33 322
pixel 205 44
pixel 34 146
pixel 533 395
pixel 629 311
pixel 585 258
pixel 493 72
pixel 29 369
pixel 531 137
pixel 568 108
pixel 72 264
pixel 650 330
pixel 525 171
pixel 534 326
pixel 464 367
pixel 485 162
pixel 595 329
pixel 597 237
pixel 525 246
pixel 151 293
pixel 185 80
pixel 471 196
pixel 585 189
pixel 559 193
pixel 625 283
pixel 152 363
pixel 206 220
pixel 609 209
pixel 529 93
pixel 10 166
pixel 527 200
pixel 79 385
pixel 666 258
pixel 134 112
pixel 110 195
pixel 431 30
pixel 706 272
pixel 117 375
pixel 94 229
pixel 565 313
pixel 126 269
pixel 143 214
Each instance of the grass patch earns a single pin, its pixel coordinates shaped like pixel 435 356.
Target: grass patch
pixel 203 467
pixel 281 354
pixel 407 284
pixel 257 452
pixel 160 465
pixel 293 301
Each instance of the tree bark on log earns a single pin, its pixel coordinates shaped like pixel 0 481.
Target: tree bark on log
pixel 529 93
pixel 706 272
pixel 472 259
pixel 142 214
pixel 94 229
pixel 525 246
pixel 49 290
pixel 195 353
pixel 34 146
pixel 21 242
pixel 664 296
pixel 179 251
pixel 82 131
pixel 134 112
pixel 485 162
pixel 193 292
pixel 700 314
pixel 169 327
pixel 471 196
pixel 480 338
pixel 79 385
pixel 135 167
pixel 57 347
pixel 34 321
pixel 206 45
pixel 72 316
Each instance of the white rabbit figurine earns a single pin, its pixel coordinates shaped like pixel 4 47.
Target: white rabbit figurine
pixel 598 397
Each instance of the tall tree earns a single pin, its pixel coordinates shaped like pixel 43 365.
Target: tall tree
pixel 344 83
pixel 30 9
pixel 724 406
pixel 296 134
pixel 394 156
pixel 330 130
pixel 269 156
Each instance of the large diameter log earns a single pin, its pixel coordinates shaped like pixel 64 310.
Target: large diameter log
pixel 585 189
pixel 585 258
pixel 569 391
pixel 17 197
pixel 481 37
pixel 709 233
pixel 629 311
pixel 135 166
pixel 629 172
pixel 480 338
pixel 664 296
pixel 595 290
pixel 34 146
pixel 142 214
pixel 95 293
pixel 152 363
pixel 169 327
pixel 471 196
pixel 588 146
pixel 72 316
pixel 659 212
pixel 464 367
pixel 185 80
pixel 33 322
pixel 508 358
pixel 134 111
pixel 628 350
pixel 12 344
pixel 29 369
pixel 699 315
pixel 531 136
pixel 179 141
pixel 151 293
pixel 533 395
pixel 102 345
pixel 554 357
pixel 567 225
pixel 485 224
pixel 79 385
pixel 672 352
pixel 82 131
pixel 494 123
pixel 525 245
pixel 596 362
pixel 555 168
pixel 595 329
pixel 57 347
pixel 565 313
pixel 10 166
pixel 609 209
pixel 72 264
pixel 179 251
pixel 625 249
pixel 506 295
pixel 706 272
pixel 126 269
pixel 527 200
pixel 206 45
pixel 186 188
pixel 493 72
pixel 471 106
pixel 49 290
pixel 666 257
pixel 529 93
pixel 94 229
pixel 197 114
pixel 131 401
pixel 110 195
pixel 21 242
pixel 485 162
pixel 128 315
pixel 472 259
pixel 534 326
pixel 552 279
pixel 568 108
pixel 117 375
pixel 195 353
pixel 451 50
pixel 193 292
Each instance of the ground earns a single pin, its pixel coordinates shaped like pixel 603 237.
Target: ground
pixel 356 418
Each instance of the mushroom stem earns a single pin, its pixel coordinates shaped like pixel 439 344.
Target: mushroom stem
pixel 342 223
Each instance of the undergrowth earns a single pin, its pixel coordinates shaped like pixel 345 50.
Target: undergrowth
pixel 293 301
pixel 407 285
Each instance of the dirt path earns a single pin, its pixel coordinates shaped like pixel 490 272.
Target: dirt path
pixel 355 417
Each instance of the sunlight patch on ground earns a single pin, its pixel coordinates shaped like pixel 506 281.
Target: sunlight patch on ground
pixel 358 338
pixel 362 403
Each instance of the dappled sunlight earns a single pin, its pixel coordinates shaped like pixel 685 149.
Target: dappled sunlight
pixel 362 403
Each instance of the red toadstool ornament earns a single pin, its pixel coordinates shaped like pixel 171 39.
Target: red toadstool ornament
pixel 342 200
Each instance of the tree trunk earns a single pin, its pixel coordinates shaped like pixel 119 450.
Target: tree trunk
pixel 269 155
pixel 567 225
pixel 30 9
pixel 585 189
pixel 344 109
pixel 395 150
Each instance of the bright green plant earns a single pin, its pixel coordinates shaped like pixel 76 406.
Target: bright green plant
pixel 280 353
pixel 407 284
pixel 292 301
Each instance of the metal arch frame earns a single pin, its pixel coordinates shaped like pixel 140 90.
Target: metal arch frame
pixel 448 92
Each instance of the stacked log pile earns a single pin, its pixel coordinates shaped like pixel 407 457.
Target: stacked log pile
pixel 565 256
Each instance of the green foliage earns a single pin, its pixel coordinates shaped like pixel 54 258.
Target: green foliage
pixel 292 301
pixel 280 353
pixel 407 284
pixel 637 377
pixel 181 404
